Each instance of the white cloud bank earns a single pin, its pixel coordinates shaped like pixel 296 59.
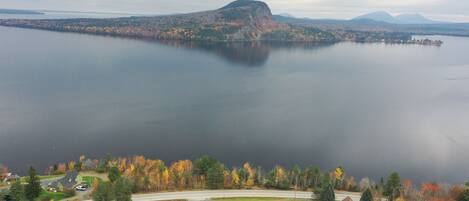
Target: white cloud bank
pixel 455 10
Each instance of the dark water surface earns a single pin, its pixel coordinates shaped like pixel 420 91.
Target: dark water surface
pixel 372 108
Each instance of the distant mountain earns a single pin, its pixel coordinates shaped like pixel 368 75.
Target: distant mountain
pixel 379 16
pixel 382 16
pixel 19 12
pixel 414 19
pixel 369 25
pixel 285 15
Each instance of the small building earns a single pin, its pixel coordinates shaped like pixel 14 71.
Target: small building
pixel 89 165
pixel 66 182
pixel 9 177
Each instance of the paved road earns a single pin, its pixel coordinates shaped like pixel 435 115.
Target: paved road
pixel 205 195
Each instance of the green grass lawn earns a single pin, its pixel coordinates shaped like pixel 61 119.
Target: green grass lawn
pixel 89 180
pixel 258 199
pixel 55 196
pixel 43 177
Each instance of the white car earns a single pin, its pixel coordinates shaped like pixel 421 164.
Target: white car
pixel 81 187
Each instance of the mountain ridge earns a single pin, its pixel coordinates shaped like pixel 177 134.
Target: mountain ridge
pixel 405 18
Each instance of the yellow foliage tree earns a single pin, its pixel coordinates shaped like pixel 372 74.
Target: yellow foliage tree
pixel 71 165
pixel 400 199
pixel 251 174
pixel 165 178
pixel 180 172
pixel 235 181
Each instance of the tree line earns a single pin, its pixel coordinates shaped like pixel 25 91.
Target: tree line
pixel 138 174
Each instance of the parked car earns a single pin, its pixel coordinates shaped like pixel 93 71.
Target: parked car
pixel 81 187
pixel 52 189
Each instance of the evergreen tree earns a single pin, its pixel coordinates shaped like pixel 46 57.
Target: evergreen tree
pixel 122 190
pixel 33 188
pixel 464 196
pixel 215 177
pixel 4 196
pixel 114 174
pixel 17 192
pixel 203 164
pixel 104 192
pixel 367 196
pixel 327 193
pixel 392 187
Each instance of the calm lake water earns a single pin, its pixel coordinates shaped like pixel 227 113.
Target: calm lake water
pixel 372 108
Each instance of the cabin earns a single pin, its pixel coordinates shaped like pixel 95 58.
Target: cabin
pixel 9 177
pixel 89 165
pixel 66 182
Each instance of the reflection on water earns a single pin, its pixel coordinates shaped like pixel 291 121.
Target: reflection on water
pixel 249 54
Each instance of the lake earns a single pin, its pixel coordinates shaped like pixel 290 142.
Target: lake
pixel 372 108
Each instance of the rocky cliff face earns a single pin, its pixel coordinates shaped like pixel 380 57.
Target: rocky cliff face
pixel 247 10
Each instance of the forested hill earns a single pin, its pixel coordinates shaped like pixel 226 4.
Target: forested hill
pixel 241 20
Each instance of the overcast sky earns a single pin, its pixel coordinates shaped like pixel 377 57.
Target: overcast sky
pixel 452 10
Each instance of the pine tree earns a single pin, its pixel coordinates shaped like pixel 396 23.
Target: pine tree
pixel 327 193
pixel 215 178
pixel 367 196
pixel 392 187
pixel 464 196
pixel 114 174
pixel 17 192
pixel 104 192
pixel 33 188
pixel 122 190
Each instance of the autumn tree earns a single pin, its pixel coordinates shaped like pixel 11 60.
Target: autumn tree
pixel 278 178
pixel 235 181
pixel 71 165
pixel 250 175
pixel 165 177
pixel 430 190
pixel 33 188
pixel 367 196
pixel 3 171
pixel 181 173
pixel 94 185
pixel 338 177
pixel 61 168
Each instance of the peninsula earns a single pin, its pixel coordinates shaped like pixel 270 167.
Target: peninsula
pixel 241 20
